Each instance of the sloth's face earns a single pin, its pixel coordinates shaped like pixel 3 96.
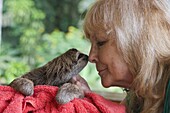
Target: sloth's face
pixel 64 67
pixel 76 61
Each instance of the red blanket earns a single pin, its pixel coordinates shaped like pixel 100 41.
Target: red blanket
pixel 43 101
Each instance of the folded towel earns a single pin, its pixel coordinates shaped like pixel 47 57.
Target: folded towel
pixel 43 101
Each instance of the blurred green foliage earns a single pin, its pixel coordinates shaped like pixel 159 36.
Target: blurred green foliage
pixel 34 32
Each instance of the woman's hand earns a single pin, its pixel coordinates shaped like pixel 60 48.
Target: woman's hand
pixel 81 82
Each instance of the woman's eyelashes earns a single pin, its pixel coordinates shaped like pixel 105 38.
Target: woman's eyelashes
pixel 100 43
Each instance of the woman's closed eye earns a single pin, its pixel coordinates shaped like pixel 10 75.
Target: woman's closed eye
pixel 101 43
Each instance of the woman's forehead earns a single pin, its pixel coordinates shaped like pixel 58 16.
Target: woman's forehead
pixel 97 30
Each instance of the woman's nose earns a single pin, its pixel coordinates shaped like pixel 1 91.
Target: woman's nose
pixel 93 56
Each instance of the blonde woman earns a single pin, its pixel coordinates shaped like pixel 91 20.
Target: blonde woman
pixel 130 45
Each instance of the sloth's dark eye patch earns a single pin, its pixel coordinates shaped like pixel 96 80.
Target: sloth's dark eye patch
pixel 80 56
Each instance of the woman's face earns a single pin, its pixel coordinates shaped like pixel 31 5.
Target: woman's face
pixel 109 62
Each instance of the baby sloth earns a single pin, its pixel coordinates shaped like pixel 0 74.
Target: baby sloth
pixel 57 72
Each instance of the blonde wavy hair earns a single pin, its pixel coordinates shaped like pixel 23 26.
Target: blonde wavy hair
pixel 142 29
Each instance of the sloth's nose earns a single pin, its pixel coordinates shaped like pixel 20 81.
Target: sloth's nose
pixel 86 57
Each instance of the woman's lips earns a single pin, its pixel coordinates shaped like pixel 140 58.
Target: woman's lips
pixel 101 72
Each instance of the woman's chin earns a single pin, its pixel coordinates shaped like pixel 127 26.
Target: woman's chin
pixel 105 84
